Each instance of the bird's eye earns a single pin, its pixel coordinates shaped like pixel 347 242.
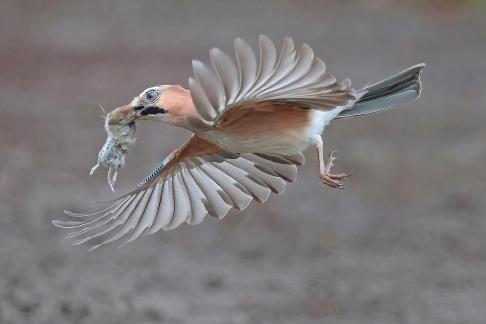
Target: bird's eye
pixel 151 95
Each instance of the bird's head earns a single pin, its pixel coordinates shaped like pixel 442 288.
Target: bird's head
pixel 169 104
pixel 149 104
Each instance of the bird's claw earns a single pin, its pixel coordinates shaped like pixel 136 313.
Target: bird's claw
pixel 330 179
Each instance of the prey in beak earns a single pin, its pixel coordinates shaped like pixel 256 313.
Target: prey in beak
pixel 120 126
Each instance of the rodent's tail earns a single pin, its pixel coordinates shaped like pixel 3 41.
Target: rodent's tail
pixel 391 92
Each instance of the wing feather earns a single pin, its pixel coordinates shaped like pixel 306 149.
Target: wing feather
pixel 111 223
pixel 297 76
pixel 126 224
pixel 302 66
pixel 197 198
pixel 268 59
pixel 106 218
pixel 258 190
pixel 131 223
pixel 285 63
pixel 166 207
pixel 148 217
pixel 228 74
pixel 247 66
pixel 283 170
pixel 240 199
pixel 210 84
pixel 263 176
pixel 201 100
pixel 198 179
pixel 219 207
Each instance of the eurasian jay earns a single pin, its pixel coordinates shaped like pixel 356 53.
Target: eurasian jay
pixel 251 122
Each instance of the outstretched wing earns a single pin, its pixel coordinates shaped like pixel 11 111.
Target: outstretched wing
pixel 196 180
pixel 296 76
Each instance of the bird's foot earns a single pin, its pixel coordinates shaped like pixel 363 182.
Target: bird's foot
pixel 330 179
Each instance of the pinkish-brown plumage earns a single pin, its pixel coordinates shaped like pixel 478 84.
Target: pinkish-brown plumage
pixel 251 122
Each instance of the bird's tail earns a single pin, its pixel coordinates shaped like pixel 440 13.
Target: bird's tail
pixel 391 92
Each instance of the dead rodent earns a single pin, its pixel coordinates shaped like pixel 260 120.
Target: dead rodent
pixel 120 128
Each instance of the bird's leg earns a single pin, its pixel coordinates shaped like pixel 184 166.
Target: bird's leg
pixel 332 180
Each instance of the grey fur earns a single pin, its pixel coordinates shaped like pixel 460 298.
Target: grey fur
pixel 113 153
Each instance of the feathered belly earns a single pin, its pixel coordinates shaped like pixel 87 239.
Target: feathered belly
pixel 288 143
pixel 281 131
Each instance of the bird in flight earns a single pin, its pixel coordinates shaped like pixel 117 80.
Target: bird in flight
pixel 251 120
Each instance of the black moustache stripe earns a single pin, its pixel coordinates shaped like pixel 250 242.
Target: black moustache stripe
pixel 152 110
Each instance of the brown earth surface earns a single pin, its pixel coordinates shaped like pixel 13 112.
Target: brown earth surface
pixel 405 243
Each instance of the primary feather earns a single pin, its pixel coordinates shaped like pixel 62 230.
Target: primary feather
pixel 189 185
pixel 296 77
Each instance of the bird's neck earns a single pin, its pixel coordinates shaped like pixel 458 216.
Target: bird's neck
pixel 178 100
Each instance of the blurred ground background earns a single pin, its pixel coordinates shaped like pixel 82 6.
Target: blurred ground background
pixel 405 243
